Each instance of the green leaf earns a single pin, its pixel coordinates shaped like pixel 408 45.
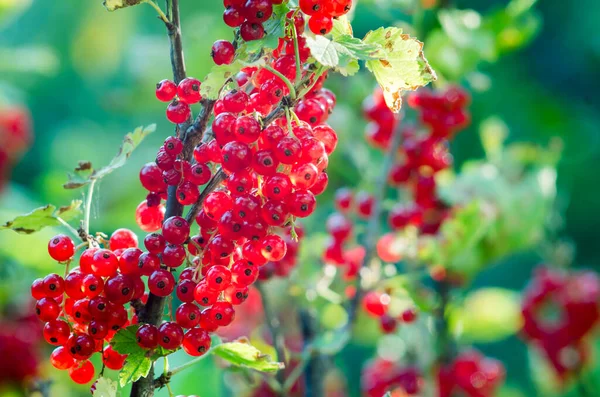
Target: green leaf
pixel 219 74
pixel 243 354
pixel 124 341
pixel 475 322
pixel 341 26
pixel 42 217
pixel 342 53
pixel 104 387
pixel 85 173
pixel 112 5
pixel 403 66
pixel 137 365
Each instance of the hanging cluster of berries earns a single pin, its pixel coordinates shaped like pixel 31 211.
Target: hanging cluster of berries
pixel 322 13
pixel 381 376
pixel 84 310
pixel 376 305
pixel 15 138
pixel 249 16
pixel 559 310
pixel 180 96
pixel 470 374
pixel 423 152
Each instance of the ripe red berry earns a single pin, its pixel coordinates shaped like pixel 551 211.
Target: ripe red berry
pixel 98 329
pixel 250 31
pixel 320 24
pixel 218 278
pixel 222 313
pixel 53 286
pixel 247 129
pixel 170 335
pixel 112 359
pixel 82 372
pixel 188 90
pixel 152 179
pixel 56 332
pixel 205 295
pixel 409 315
pixel 161 282
pixel 81 346
pixel 155 243
pixel 119 289
pixel 301 203
pixel 61 359
pixel 61 248
pixel 47 309
pixel 243 273
pixel 92 285
pixel 237 156
pixel 166 90
pixel 187 315
pixel 222 52
pixel 273 248
pixel 149 219
pixel 178 112
pixel 196 342
pixel 104 263
pixel 123 238
pixel 176 230
pixel 375 304
pixel 147 336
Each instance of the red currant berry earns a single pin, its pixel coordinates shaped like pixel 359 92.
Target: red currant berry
pixel 176 230
pixel 82 372
pixel 149 219
pixel 47 309
pixel 222 52
pixel 166 90
pixel 61 248
pixel 81 346
pixel 161 282
pixel 147 336
pixel 222 313
pixel 187 315
pixel 170 335
pixel 61 358
pixel 188 91
pixel 178 112
pixel 196 342
pixel 112 359
pixel 56 332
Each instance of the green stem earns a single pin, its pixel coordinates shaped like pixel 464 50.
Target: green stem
pixel 296 50
pixel 160 12
pixel 187 365
pixel 71 228
pixel 287 82
pixel 88 207
pixel 318 73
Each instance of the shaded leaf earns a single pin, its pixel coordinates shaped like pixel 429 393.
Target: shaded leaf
pixel 274 30
pixel 219 74
pixel 243 354
pixel 84 173
pixel 39 218
pixel 104 387
pixel 402 66
pixel 342 53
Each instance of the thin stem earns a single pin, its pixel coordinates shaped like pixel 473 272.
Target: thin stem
pixel 171 394
pixel 160 12
pixel 212 185
pixel 88 207
pixel 274 326
pixel 374 224
pixel 285 80
pixel 187 365
pixel 296 50
pixel 71 228
pixel 317 75
pixel 290 381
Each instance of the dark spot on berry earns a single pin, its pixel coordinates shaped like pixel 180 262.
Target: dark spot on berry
pixel 192 316
pixel 322 31
pixel 115 327
pixel 101 306
pixel 268 248
pixel 184 290
pixel 166 339
pixel 268 162
pixel 38 311
pixel 247 272
pixel 316 7
pixel 218 316
pixel 240 189
pixel 219 280
pixel 276 190
pixel 242 214
pixel 314 119
pixel 52 287
pixel 195 87
pixel 260 14
pixel 125 291
pixel 202 349
pixel 288 152
pixel 93 287
pixel 56 241
pixel 236 227
pixel 160 284
pixel 182 195
pixel 239 295
pixel 178 223
pixel 304 207
pixel 307 176
pixel 53 340
pixel 77 314
pixel 106 255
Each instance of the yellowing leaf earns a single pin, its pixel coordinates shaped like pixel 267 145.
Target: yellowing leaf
pixel 402 66
pixel 105 387
pixel 112 5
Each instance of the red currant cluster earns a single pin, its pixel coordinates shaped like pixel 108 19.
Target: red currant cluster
pixel 471 374
pixel 323 12
pixel 187 93
pixel 270 172
pixel 376 304
pixel 340 250
pixel 15 138
pixel 86 308
pixel 381 376
pixel 559 310
pixel 249 16
pixel 422 153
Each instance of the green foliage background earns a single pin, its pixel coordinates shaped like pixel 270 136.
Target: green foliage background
pixel 87 77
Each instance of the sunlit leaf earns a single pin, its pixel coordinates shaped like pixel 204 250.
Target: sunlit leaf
pixel 104 387
pixel 242 353
pixel 124 341
pixel 84 173
pixel 473 321
pixel 137 365
pixel 403 66
pixel 112 5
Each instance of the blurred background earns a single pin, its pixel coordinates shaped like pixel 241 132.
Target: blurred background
pixel 75 78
